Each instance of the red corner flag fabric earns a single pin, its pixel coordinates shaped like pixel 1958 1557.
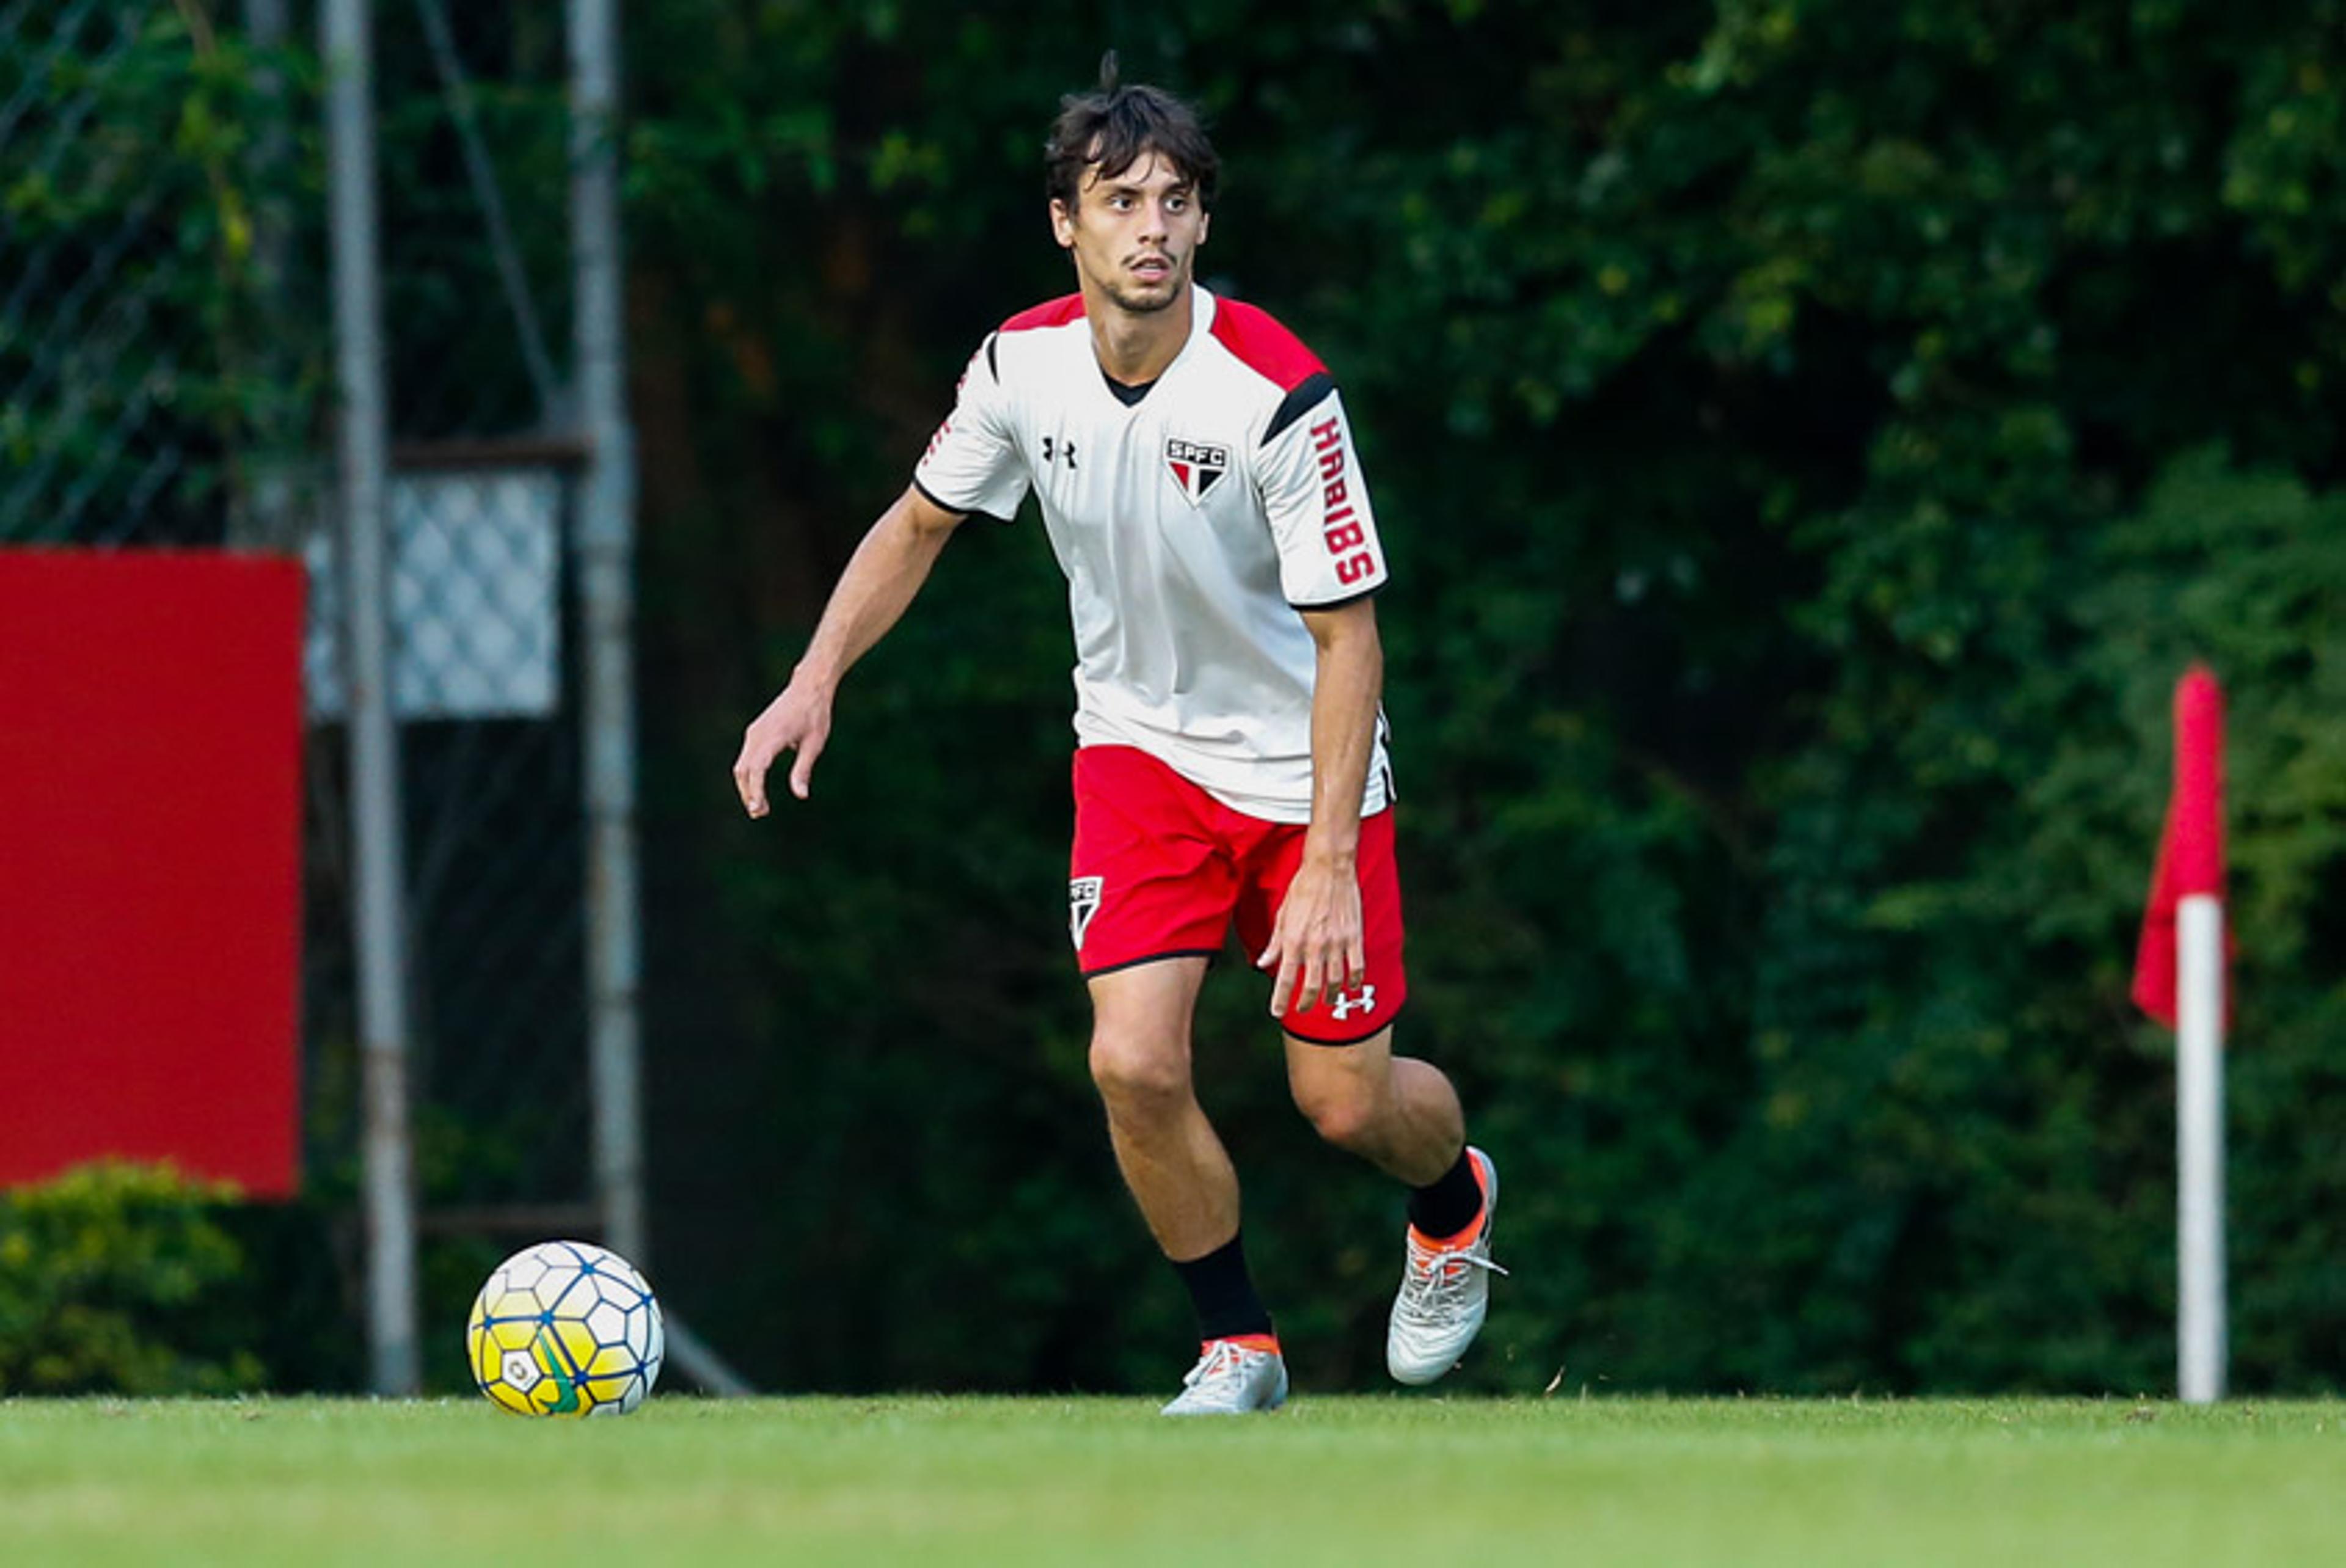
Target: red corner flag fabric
pixel 2191 846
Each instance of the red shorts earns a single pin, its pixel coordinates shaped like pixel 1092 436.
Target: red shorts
pixel 1161 869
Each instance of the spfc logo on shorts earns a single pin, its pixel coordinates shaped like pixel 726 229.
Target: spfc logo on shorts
pixel 1197 466
pixel 1083 902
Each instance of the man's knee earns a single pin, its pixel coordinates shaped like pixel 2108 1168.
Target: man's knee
pixel 1139 1074
pixel 1346 1112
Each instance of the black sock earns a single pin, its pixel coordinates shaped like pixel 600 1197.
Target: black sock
pixel 1224 1294
pixel 1450 1205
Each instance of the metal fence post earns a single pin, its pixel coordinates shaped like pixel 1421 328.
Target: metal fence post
pixel 607 560
pixel 378 915
pixel 606 553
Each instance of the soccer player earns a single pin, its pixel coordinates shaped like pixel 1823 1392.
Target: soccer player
pixel 1197 482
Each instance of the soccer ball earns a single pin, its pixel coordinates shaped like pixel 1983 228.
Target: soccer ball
pixel 565 1329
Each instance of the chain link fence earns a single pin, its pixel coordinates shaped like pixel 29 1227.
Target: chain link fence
pixel 165 380
pixel 153 360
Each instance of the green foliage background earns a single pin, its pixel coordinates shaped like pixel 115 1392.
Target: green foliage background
pixel 1812 438
pixel 123 1280
pixel 1810 435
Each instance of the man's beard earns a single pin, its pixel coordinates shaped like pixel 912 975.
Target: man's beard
pixel 1177 283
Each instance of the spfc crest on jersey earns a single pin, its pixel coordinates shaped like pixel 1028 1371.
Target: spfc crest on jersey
pixel 1197 466
pixel 1083 902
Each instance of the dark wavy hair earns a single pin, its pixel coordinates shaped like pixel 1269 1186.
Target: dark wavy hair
pixel 1114 125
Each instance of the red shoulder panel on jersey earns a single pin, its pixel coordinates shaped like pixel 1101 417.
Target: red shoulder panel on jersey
pixel 1263 345
pixel 1056 313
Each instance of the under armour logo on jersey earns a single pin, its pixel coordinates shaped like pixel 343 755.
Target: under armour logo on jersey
pixel 1196 465
pixel 1055 448
pixel 1083 902
pixel 1363 1002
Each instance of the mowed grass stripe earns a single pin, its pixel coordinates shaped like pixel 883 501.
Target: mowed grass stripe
pixel 938 1481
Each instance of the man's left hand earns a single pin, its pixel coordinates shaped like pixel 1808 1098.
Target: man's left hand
pixel 1318 939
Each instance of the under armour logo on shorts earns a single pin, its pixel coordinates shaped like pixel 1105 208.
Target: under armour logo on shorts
pixel 1347 1002
pixel 1083 902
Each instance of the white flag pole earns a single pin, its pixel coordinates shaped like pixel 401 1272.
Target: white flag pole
pixel 2200 1332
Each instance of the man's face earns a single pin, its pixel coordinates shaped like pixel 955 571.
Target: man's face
pixel 1134 234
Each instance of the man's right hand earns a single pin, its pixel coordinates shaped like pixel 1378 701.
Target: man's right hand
pixel 886 570
pixel 798 719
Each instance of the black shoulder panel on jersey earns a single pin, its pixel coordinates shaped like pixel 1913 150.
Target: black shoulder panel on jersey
pixel 1307 396
pixel 1339 604
pixel 992 339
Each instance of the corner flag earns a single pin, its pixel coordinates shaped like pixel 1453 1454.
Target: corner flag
pixel 2179 980
pixel 2191 846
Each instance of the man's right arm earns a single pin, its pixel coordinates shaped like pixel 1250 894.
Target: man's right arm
pixel 886 571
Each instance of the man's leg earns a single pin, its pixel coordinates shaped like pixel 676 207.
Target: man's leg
pixel 1399 1113
pixel 1172 1161
pixel 1181 1177
pixel 1402 1115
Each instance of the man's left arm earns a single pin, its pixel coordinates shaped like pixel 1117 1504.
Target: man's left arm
pixel 1319 938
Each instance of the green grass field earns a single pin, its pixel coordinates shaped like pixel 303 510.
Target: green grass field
pixel 2008 1484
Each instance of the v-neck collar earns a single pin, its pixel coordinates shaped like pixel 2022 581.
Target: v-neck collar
pixel 1202 306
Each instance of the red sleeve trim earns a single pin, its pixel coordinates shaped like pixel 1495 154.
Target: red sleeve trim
pixel 1056 313
pixel 1263 345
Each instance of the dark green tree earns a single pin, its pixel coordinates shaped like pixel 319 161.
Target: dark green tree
pixel 1811 437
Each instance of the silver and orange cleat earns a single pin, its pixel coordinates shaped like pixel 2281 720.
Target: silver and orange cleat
pixel 1445 1291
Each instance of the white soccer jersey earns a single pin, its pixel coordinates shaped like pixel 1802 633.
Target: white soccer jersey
pixel 1192 525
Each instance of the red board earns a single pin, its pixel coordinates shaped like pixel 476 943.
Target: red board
pixel 150 751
